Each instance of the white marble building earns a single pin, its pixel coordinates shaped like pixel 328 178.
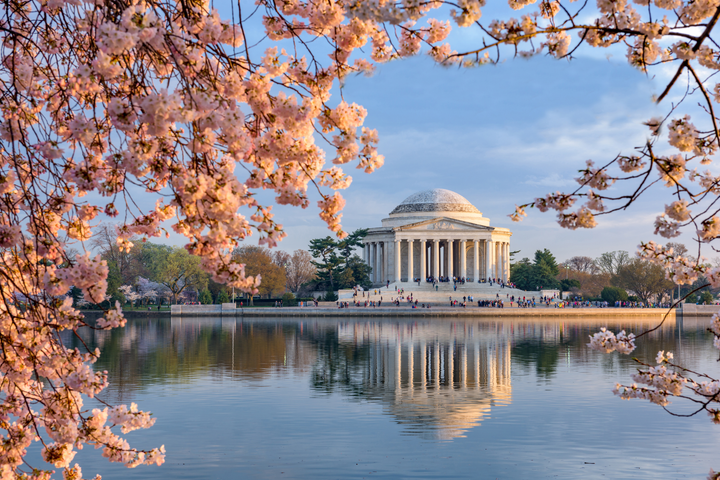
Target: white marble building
pixel 437 233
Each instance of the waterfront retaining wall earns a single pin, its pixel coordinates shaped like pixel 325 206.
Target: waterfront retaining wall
pixel 405 311
pixel 692 310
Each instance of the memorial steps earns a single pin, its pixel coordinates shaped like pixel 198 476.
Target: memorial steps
pixel 426 293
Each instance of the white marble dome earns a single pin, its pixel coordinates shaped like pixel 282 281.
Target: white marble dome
pixel 435 203
pixel 435 200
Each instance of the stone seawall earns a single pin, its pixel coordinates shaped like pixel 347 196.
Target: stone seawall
pixel 204 310
pixel 229 310
pixel 689 309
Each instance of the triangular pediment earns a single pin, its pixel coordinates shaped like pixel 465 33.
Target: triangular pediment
pixel 444 223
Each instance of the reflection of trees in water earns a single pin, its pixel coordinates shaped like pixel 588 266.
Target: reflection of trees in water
pixel 151 351
pixel 345 356
pixel 542 345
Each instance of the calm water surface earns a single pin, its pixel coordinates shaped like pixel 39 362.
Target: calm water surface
pixel 324 399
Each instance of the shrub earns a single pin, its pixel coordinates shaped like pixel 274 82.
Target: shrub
pixel 614 294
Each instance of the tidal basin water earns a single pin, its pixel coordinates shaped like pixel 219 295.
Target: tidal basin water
pixel 400 398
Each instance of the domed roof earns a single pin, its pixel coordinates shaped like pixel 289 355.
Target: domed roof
pixel 435 200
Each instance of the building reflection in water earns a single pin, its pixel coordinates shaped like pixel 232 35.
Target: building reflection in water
pixel 436 378
pixel 437 383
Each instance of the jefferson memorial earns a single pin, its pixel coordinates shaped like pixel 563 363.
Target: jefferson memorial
pixel 437 233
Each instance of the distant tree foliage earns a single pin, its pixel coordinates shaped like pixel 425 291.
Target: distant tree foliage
pixel 644 279
pixel 223 296
pixel 280 258
pixel 569 285
pixel 581 264
pixel 541 273
pixel 614 294
pixel 337 264
pixel 259 261
pixel 611 262
pixel 174 268
pixel 707 298
pixel 206 297
pixel 299 270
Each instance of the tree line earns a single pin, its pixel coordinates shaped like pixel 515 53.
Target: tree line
pixel 612 276
pixel 154 273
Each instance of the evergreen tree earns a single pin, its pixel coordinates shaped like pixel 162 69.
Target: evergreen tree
pixel 520 274
pixel 539 274
pixel 223 297
pixel 206 297
pixel 337 265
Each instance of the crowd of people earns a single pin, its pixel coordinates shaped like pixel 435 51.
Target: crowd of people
pixel 462 280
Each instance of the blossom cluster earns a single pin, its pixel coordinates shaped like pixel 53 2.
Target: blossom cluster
pixel 103 102
pixel 607 342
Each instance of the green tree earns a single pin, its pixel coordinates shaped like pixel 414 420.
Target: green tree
pixel 692 298
pixel 223 296
pixel 520 274
pixel 706 298
pixel 337 265
pixel 545 270
pixel 646 280
pixel 355 272
pixel 614 294
pixel 541 273
pixel 174 267
pixel 206 297
pixel 569 284
pixel 328 263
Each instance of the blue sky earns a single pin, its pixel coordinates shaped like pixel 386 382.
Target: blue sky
pixel 498 135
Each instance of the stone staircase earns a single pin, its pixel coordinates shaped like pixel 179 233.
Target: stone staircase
pixel 426 293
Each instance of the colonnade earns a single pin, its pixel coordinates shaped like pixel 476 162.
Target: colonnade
pixel 396 260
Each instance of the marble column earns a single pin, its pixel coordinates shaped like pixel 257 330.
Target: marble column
pixel 398 263
pixel 423 259
pixel 507 261
pixel 494 260
pixel 463 259
pixel 386 262
pixel 436 258
pixel 378 263
pixel 476 260
pixel 450 256
pixel 411 273
pixel 443 269
pixel 488 258
pixel 373 261
pixel 504 263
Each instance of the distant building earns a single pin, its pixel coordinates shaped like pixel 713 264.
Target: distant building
pixel 437 233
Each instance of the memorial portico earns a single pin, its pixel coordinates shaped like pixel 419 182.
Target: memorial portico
pixel 437 233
